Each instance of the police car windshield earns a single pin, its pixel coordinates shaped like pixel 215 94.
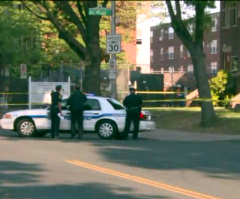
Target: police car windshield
pixel 115 104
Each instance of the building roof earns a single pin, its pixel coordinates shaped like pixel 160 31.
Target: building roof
pixel 166 25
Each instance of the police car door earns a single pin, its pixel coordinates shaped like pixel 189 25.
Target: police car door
pixel 66 123
pixel 92 113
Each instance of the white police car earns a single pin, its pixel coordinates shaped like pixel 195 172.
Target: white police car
pixel 105 116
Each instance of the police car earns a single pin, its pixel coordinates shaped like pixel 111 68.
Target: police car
pixel 105 116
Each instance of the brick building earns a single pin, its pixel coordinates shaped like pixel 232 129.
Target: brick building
pixel 169 55
pixel 230 38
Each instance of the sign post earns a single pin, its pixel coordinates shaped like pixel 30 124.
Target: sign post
pixel 23 70
pixel 112 69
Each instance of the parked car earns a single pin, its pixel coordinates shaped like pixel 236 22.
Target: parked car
pixel 105 116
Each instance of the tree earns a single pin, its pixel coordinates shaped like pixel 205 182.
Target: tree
pixel 71 19
pixel 194 43
pixel 18 37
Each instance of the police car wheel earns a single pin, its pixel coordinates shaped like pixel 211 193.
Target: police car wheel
pixel 26 128
pixel 106 130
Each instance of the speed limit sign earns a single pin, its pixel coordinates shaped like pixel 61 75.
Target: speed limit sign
pixel 113 44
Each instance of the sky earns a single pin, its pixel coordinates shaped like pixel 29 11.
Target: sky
pixel 155 22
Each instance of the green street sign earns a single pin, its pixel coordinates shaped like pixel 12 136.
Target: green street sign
pixel 99 11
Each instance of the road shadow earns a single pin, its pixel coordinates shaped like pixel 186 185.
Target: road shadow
pixel 18 172
pixel 18 181
pixel 66 191
pixel 219 159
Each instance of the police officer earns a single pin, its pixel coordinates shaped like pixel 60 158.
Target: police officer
pixel 55 110
pixel 133 104
pixel 76 102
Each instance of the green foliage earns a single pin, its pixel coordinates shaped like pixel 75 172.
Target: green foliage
pixel 19 38
pixel 222 87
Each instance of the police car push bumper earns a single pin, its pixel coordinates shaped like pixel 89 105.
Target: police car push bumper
pixel 7 124
pixel 147 126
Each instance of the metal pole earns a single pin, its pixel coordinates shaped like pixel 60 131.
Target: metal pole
pixel 172 83
pixel 113 56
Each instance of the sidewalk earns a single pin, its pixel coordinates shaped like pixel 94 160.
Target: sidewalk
pixel 172 135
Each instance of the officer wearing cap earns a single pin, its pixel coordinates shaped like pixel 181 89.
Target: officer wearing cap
pixel 55 110
pixel 133 105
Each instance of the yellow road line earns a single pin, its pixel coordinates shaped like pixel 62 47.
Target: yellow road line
pixel 142 180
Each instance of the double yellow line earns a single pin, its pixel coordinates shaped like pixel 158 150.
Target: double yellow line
pixel 142 180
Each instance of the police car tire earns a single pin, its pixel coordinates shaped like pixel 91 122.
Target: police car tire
pixel 111 125
pixel 20 123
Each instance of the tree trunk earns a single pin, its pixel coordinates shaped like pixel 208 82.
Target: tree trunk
pixel 92 63
pixel 207 110
pixel 92 78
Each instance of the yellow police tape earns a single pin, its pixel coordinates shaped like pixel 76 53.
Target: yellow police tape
pixel 140 92
pixel 164 100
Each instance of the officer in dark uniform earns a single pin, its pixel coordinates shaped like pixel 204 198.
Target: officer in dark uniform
pixel 133 105
pixel 55 110
pixel 76 102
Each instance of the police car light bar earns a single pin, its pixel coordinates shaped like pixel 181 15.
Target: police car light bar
pixel 89 94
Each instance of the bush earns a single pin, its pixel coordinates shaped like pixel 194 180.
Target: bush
pixel 222 88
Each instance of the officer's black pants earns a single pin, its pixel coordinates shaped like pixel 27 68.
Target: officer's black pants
pixel 135 117
pixel 55 123
pixel 77 117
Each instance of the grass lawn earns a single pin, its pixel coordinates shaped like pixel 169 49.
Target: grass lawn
pixel 188 119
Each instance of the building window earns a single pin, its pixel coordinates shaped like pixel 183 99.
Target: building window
pixel 162 53
pixel 234 63
pixel 225 11
pixel 233 13
pixel 188 53
pixel 171 52
pixel 151 56
pixel 171 69
pixel 139 41
pixel 151 36
pixel 139 36
pixel 215 23
pixel 162 70
pixel 161 35
pixel 213 49
pixel 190 70
pixel 170 33
pixel 213 68
pixel 181 69
pixel 181 51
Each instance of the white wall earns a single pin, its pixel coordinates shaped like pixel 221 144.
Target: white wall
pixel 143 50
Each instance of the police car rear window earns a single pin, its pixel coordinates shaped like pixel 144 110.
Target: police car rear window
pixel 115 104
pixel 92 104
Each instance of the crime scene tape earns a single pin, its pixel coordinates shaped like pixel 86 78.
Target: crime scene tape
pixel 164 100
pixel 140 92
pixel 26 93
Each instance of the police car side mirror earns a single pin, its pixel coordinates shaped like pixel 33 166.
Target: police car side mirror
pixel 46 105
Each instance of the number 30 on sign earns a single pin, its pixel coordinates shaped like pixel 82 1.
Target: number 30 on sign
pixel 113 44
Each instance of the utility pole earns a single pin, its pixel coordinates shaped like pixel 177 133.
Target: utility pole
pixel 113 56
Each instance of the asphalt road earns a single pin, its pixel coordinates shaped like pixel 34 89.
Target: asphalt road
pixel 157 166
